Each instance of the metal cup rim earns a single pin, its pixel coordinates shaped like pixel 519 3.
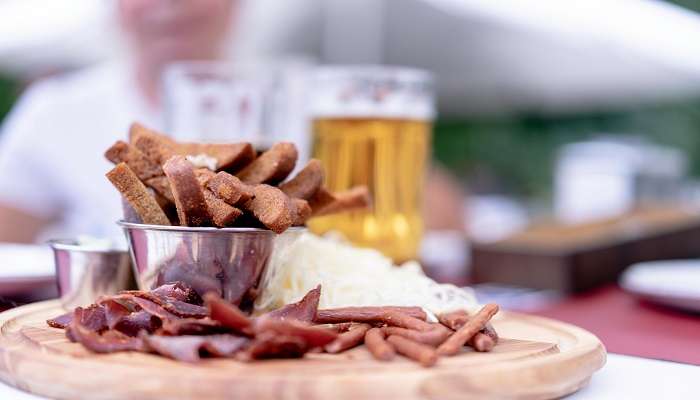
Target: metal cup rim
pixel 171 228
pixel 74 245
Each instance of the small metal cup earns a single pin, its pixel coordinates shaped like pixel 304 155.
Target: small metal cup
pixel 226 261
pixel 84 273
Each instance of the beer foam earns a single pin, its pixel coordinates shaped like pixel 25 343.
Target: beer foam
pixel 350 276
pixel 374 92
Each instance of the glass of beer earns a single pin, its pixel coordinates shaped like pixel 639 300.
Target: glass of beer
pixel 372 126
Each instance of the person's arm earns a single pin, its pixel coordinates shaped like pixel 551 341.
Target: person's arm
pixel 28 195
pixel 18 226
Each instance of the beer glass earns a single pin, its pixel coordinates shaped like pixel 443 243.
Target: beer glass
pixel 214 101
pixel 372 126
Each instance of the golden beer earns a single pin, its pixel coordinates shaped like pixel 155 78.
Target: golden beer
pixel 389 155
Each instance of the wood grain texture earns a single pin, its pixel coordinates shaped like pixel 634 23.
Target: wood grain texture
pixel 543 359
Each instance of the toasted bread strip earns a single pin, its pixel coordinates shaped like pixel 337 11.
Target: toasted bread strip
pixel 156 146
pixel 229 156
pixel 324 202
pixel 230 189
pixel 204 175
pixel 271 207
pixel 134 191
pixel 302 211
pixel 161 186
pixel 272 166
pixel 306 182
pixel 191 206
pixel 221 213
pixel 142 166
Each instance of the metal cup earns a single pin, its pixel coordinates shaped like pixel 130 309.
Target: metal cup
pixel 226 261
pixel 84 273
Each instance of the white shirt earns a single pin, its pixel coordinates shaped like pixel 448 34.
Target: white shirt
pixel 52 149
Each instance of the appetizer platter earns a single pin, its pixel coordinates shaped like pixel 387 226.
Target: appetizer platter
pixel 237 300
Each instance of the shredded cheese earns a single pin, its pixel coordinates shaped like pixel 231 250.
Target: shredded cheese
pixel 350 276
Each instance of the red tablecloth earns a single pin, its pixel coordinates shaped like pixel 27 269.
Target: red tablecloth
pixel 628 326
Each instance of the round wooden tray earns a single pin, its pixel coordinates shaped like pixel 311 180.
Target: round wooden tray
pixel 540 359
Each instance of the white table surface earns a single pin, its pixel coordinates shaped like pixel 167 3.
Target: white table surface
pixel 623 377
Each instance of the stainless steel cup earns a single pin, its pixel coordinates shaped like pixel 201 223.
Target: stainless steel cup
pixel 227 261
pixel 84 273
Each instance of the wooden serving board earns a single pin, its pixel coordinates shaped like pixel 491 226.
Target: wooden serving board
pixel 541 359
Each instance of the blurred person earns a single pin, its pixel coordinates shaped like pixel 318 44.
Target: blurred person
pixel 51 150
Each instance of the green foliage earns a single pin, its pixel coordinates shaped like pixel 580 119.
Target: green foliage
pixel 9 90
pixel 516 154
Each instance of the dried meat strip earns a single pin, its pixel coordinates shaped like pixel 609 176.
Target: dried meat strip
pixel 134 323
pixel 314 336
pixel 108 342
pixel 364 314
pixel 62 321
pixel 349 339
pixel 177 307
pixel 475 324
pixel 190 326
pixel 303 310
pixel 272 345
pixel 178 291
pixel 376 343
pixel 190 348
pixel 227 314
pixel 425 355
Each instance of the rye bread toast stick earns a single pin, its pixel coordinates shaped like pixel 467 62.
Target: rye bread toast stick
pixel 454 343
pixel 160 185
pixel 272 166
pixel 302 212
pixel 136 194
pixel 306 182
pixel 231 156
pixel 191 206
pixel 271 207
pixel 230 189
pixel 221 213
pixel 324 202
pixel 142 166
pixel 156 146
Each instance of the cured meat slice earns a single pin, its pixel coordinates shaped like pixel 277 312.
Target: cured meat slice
pixel 62 321
pixel 190 348
pixel 190 326
pixel 178 291
pixel 177 307
pixel 109 342
pixel 314 336
pixel 136 322
pixel 227 314
pixel 303 310
pixel 272 345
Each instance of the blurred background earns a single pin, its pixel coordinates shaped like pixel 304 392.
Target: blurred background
pixel 566 145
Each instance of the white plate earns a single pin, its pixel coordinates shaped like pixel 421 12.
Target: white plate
pixel 673 283
pixel 25 268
